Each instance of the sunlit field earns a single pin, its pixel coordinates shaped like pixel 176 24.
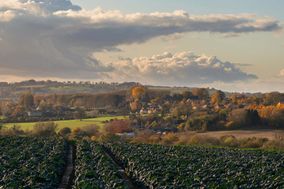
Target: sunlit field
pixel 99 121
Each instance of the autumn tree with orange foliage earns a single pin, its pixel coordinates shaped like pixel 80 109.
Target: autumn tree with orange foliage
pixel 118 126
pixel 271 115
pixel 217 97
pixel 137 94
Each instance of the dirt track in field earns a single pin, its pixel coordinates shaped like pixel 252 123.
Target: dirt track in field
pixel 269 134
pixel 67 178
pixel 131 183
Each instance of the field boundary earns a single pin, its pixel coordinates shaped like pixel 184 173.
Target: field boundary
pixel 67 178
pixel 131 183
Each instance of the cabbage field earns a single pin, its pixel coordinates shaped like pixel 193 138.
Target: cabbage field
pixel 95 169
pixel 27 162
pixel 31 162
pixel 160 166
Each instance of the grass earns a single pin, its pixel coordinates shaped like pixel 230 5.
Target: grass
pixel 72 124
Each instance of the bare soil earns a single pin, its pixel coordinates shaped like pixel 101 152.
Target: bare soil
pixel 67 178
pixel 269 134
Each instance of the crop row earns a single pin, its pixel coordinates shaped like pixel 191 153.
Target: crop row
pixel 95 169
pixel 198 167
pixel 27 162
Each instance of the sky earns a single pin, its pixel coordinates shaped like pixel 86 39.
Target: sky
pixel 225 44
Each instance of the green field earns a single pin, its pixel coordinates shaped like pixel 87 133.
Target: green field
pixel 72 124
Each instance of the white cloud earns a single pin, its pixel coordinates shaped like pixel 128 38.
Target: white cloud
pixel 180 20
pixel 48 6
pixel 11 4
pixel 54 38
pixel 6 16
pixel 181 68
pixel 21 8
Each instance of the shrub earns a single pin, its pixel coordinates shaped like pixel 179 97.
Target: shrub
pixel 108 137
pixel 253 142
pixel 154 139
pixel 118 126
pixel 274 144
pixel 169 138
pixel 78 133
pixel 184 138
pixel 87 131
pixel 64 132
pixel 229 140
pixel 91 130
pixel 44 129
pixel 144 136
pixel 14 131
pixel 203 140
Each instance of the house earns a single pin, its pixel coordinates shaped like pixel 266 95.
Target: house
pixel 34 113
pixel 204 106
pixel 130 134
pixel 150 109
pixel 143 111
pixel 98 111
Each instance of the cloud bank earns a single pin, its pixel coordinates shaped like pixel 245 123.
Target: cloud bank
pixel 55 38
pixel 183 68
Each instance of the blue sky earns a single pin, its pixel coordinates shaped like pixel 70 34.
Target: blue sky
pixel 261 7
pixel 226 44
pixel 263 51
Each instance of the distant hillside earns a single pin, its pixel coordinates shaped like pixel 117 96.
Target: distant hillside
pixel 14 90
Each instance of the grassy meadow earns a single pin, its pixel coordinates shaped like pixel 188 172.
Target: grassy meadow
pixel 72 124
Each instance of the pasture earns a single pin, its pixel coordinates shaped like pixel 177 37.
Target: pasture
pixel 72 124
